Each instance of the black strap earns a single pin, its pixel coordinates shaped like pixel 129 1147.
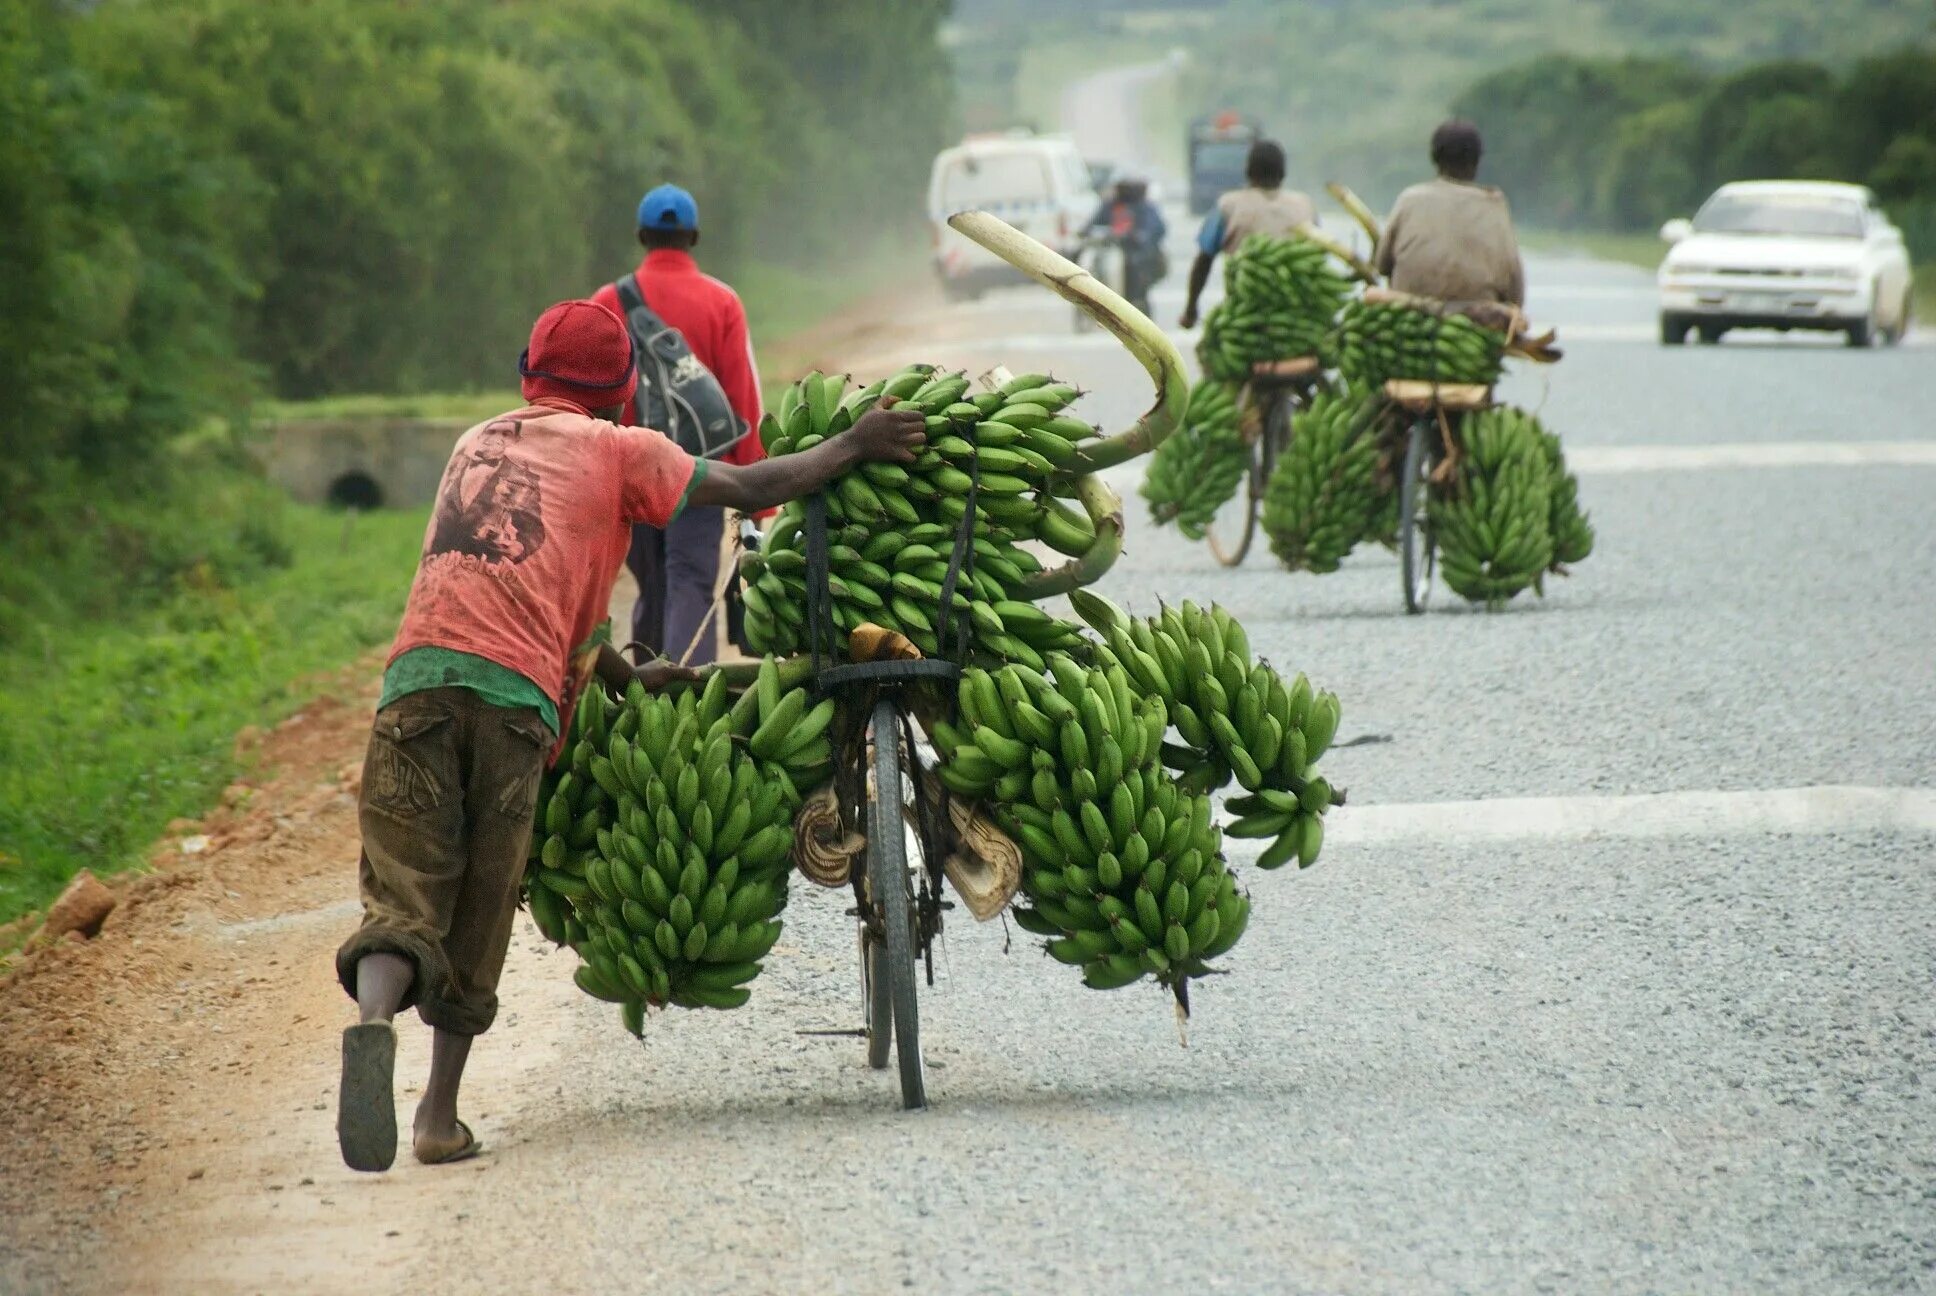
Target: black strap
pixel 960 562
pixel 820 607
pixel 632 300
pixel 887 672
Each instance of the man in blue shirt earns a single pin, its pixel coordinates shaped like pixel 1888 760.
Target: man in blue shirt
pixel 1263 206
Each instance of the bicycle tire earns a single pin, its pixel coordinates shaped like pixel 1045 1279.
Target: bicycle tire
pixel 1253 495
pixel 1415 527
pixel 890 891
pixel 1263 457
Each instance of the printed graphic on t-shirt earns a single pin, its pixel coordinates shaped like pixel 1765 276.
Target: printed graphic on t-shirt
pixel 489 505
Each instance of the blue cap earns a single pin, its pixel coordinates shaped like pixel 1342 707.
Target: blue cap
pixel 669 208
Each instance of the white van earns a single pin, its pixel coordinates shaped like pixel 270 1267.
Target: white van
pixel 1037 183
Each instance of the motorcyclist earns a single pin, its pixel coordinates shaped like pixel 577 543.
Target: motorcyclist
pixel 1128 216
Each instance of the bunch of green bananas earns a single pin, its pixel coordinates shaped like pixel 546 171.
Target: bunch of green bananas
pixel 665 840
pixel 892 528
pixel 1381 340
pixel 1281 296
pixel 1123 869
pixel 1329 490
pixel 1236 718
pixel 1493 526
pixel 1572 533
pixel 1196 470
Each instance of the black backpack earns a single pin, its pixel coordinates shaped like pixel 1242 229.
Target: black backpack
pixel 677 395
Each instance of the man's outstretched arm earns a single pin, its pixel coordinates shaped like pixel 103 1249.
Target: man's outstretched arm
pixel 617 674
pixel 1199 276
pixel 889 435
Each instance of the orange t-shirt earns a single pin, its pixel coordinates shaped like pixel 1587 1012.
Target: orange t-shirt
pixel 533 518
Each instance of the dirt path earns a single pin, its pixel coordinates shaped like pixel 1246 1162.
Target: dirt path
pixel 150 1070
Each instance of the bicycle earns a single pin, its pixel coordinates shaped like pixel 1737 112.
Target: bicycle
pixel 1283 387
pixel 1436 409
pixel 880 782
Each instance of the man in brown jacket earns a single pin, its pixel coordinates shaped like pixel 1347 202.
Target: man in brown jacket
pixel 1452 238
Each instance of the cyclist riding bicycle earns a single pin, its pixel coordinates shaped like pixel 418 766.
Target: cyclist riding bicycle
pixel 1129 217
pixel 1263 206
pixel 1452 238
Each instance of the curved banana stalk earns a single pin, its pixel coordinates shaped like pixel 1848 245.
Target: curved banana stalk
pixel 1354 207
pixel 1136 331
pixel 1359 266
pixel 1105 509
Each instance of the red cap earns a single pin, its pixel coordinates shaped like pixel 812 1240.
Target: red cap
pixel 581 352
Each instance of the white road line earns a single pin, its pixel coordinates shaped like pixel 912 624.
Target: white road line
pixel 1751 454
pixel 1767 339
pixel 1803 810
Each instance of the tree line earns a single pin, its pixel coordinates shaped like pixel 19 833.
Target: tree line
pixel 1627 143
pixel 207 199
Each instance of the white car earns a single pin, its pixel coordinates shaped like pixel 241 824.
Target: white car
pixel 1785 254
pixel 1037 183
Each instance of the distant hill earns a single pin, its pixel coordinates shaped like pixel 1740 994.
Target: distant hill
pixel 1355 86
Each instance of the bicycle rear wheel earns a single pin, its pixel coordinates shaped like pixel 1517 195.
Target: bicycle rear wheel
pixel 1418 556
pixel 890 963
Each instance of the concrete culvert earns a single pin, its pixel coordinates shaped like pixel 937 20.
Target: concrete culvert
pixel 355 490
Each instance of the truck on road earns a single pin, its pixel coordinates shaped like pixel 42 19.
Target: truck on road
pixel 1218 145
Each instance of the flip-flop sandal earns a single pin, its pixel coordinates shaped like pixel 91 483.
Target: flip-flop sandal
pixel 366 1103
pixel 464 1151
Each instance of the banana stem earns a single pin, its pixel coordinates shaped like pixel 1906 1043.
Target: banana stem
pixel 794 671
pixel 1355 208
pixel 1105 509
pixel 1359 266
pixel 1135 330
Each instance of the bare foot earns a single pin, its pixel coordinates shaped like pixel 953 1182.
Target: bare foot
pixel 440 1146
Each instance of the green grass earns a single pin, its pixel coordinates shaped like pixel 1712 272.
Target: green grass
pixel 112 726
pixel 430 405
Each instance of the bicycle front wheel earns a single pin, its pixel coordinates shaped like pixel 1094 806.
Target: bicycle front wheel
pixel 1417 555
pixel 1229 533
pixel 891 964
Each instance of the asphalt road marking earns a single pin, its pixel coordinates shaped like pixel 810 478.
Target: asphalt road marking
pixel 1760 339
pixel 1801 810
pixel 1751 454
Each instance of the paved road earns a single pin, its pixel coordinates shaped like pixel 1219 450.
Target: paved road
pixel 1666 1052
pixel 1609 1041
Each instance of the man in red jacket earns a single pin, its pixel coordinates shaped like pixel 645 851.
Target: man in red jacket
pixel 678 567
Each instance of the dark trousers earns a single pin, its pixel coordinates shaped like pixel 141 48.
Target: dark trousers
pixel 677 569
pixel 450 785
